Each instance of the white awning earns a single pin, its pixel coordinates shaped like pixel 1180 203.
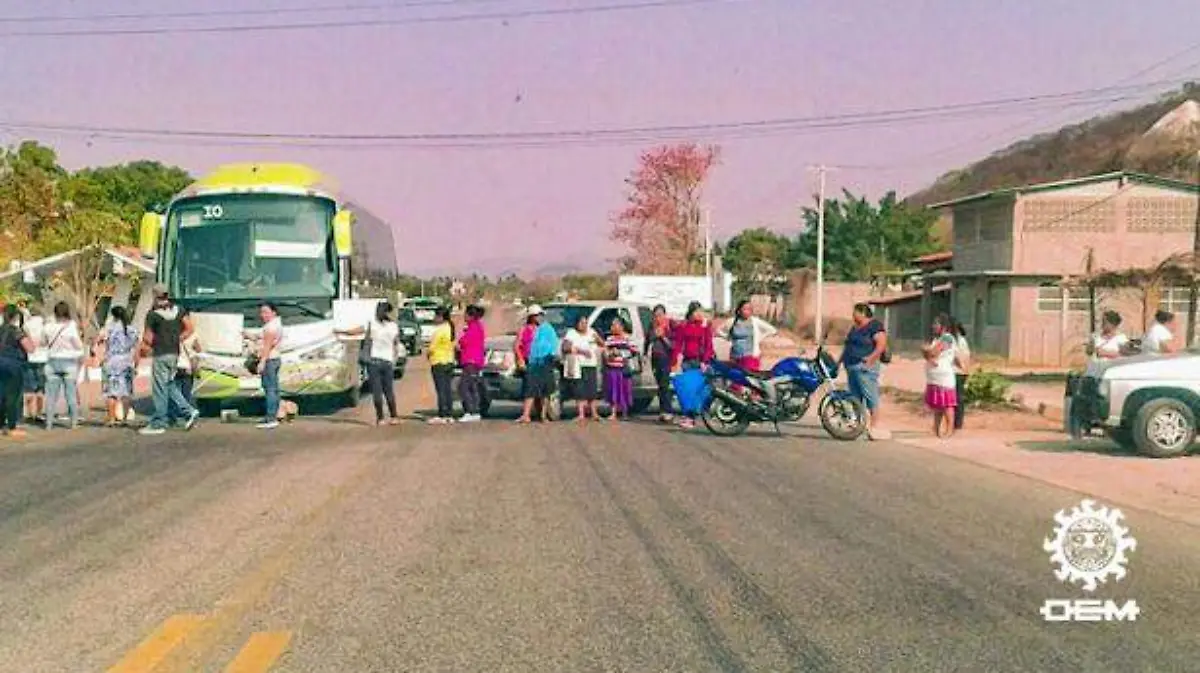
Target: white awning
pixel 117 263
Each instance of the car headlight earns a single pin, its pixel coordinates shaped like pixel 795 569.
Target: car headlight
pixel 502 360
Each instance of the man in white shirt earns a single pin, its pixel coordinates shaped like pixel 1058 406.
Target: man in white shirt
pixel 1160 337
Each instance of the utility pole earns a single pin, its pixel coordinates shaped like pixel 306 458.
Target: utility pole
pixel 818 330
pixel 707 243
pixel 1192 290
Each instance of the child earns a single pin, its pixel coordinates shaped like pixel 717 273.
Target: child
pixel 940 393
pixel 619 354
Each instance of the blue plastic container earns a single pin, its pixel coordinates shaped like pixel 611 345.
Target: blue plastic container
pixel 692 391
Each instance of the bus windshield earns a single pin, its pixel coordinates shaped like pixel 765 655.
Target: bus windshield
pixel 243 246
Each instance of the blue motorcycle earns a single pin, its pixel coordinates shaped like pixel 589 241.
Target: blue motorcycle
pixel 735 398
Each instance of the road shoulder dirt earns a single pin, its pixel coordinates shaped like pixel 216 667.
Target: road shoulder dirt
pixel 1027 445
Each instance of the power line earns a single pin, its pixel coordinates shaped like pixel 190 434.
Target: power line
pixel 362 23
pixel 751 128
pixel 202 13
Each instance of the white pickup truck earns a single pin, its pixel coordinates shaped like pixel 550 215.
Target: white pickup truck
pixel 1146 402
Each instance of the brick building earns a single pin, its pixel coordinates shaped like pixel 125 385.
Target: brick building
pixel 1014 248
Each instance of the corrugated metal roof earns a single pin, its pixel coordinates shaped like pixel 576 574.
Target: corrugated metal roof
pixel 1143 178
pixel 906 296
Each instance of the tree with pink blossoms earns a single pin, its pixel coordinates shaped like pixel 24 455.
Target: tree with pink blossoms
pixel 660 223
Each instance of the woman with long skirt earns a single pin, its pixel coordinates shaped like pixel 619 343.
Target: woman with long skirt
pixel 619 354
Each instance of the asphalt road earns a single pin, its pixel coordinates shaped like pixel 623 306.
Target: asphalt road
pixel 332 546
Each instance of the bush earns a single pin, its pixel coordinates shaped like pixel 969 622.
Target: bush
pixel 986 388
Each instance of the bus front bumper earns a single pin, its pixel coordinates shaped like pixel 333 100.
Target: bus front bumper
pixel 296 379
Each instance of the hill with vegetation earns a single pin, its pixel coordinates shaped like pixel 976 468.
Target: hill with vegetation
pixel 1119 141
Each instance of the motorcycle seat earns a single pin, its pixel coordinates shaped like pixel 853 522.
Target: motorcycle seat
pixel 758 374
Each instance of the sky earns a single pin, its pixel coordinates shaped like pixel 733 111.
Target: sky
pixel 453 209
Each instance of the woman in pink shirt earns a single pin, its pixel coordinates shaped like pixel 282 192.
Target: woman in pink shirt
pixel 471 356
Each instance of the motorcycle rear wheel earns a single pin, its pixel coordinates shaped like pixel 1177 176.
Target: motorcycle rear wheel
pixel 724 420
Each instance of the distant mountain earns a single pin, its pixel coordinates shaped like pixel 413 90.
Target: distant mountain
pixel 1159 138
pixel 496 267
pixel 374 245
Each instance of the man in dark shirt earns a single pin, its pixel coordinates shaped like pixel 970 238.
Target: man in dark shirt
pixel 861 356
pixel 166 327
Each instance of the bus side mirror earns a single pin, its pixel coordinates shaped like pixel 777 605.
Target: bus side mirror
pixel 342 236
pixel 149 233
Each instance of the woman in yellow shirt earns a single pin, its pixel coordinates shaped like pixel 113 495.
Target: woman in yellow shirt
pixel 441 361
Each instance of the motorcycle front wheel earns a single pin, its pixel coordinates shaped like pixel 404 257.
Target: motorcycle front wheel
pixel 724 420
pixel 844 418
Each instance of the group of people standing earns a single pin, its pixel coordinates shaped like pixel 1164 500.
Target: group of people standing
pixel 947 357
pixel 596 367
pixel 41 363
pixel 1110 342
pixel 44 359
pixel 468 350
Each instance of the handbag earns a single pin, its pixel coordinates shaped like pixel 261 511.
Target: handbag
pixel 364 350
pixel 633 365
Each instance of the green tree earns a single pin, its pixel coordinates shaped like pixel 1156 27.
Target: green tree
pixel 863 239
pixel 591 286
pixel 758 260
pixel 29 199
pixel 46 210
pixel 126 190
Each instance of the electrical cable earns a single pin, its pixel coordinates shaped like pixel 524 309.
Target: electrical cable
pixel 735 130
pixel 202 13
pixel 365 23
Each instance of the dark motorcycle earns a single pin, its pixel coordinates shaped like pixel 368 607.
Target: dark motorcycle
pixel 738 397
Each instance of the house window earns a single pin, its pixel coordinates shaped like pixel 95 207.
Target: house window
pixel 1050 298
pixel 1174 299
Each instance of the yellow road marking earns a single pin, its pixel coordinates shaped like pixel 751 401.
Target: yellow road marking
pixel 257 586
pixel 159 644
pixel 260 652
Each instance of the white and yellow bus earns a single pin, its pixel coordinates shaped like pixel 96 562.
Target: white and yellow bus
pixel 249 233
